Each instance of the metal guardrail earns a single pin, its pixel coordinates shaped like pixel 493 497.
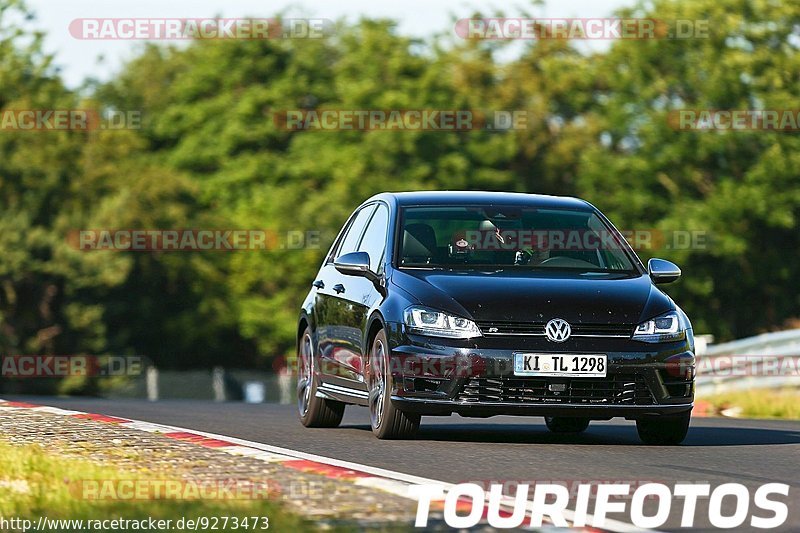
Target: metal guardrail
pixel 761 343
pixel 766 351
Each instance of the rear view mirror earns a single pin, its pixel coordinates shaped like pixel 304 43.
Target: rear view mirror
pixel 662 271
pixel 353 264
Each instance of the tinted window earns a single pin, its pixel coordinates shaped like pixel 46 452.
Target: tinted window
pixel 511 237
pixel 374 241
pixel 350 241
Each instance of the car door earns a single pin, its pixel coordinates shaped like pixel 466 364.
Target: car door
pixel 361 292
pixel 356 297
pixel 337 341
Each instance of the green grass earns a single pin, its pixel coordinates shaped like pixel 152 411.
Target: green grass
pixel 759 403
pixel 35 483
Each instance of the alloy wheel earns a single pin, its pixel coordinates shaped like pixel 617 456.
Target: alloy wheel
pixel 378 383
pixel 305 363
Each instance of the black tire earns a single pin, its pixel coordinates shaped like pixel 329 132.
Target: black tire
pixel 386 420
pixel 314 412
pixel 664 430
pixel 566 424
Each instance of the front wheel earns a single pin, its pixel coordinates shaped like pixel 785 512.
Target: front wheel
pixel 386 420
pixel 566 424
pixel 664 430
pixel 314 412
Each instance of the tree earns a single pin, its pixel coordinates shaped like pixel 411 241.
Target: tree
pixel 740 188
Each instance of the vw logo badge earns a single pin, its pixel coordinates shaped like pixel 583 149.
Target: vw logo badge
pixel 557 330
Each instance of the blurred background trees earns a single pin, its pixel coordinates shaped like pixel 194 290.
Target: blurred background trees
pixel 210 155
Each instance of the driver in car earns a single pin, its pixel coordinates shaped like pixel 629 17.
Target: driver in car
pixel 491 238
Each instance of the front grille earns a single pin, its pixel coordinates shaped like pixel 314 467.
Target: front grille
pixel 537 328
pixel 617 389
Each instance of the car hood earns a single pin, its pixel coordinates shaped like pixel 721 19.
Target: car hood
pixel 535 296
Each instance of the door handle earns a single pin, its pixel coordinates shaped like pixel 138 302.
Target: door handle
pixel 319 284
pixel 338 288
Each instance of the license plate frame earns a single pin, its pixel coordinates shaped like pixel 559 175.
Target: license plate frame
pixel 562 365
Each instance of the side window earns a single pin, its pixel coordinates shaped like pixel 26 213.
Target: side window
pixel 350 241
pixel 374 241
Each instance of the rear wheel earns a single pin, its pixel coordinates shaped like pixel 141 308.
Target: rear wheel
pixel 566 424
pixel 314 412
pixel 664 430
pixel 387 422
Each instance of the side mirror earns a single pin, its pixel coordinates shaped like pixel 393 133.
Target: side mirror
pixel 662 271
pixel 355 264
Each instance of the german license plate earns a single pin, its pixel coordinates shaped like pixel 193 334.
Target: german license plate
pixel 561 365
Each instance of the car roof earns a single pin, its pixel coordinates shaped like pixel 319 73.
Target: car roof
pixel 481 197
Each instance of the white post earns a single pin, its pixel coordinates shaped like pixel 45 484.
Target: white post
pixel 151 379
pixel 254 392
pixel 285 382
pixel 218 383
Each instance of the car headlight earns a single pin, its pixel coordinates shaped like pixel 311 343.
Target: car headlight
pixel 426 321
pixel 665 328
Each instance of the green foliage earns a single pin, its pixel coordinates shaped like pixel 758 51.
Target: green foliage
pixel 209 154
pixel 742 188
pixel 755 403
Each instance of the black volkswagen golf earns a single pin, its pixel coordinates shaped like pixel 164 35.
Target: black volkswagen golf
pixel 433 303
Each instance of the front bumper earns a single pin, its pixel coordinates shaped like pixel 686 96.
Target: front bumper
pixel 431 407
pixel 475 378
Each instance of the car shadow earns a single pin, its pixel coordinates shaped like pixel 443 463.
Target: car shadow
pixel 598 434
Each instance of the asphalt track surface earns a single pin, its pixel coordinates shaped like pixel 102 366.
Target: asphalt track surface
pixel 500 449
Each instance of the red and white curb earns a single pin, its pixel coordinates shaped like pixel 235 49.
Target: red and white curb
pixel 396 483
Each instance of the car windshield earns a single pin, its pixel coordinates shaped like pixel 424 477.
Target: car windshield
pixel 503 237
